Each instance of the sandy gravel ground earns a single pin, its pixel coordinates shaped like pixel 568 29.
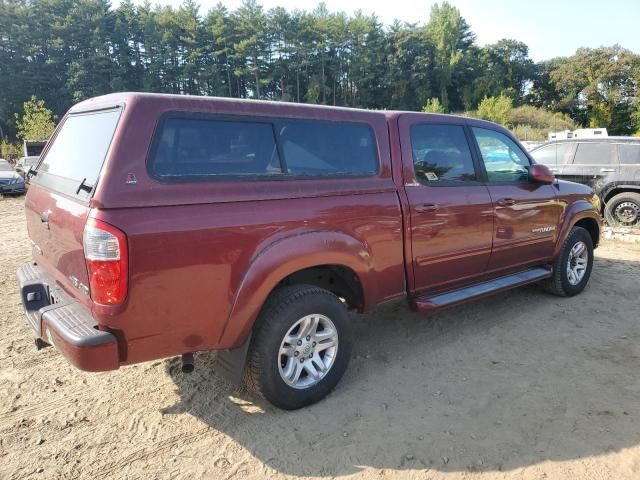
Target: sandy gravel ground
pixel 519 386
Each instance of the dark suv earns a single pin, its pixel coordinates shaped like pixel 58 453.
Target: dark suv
pixel 610 165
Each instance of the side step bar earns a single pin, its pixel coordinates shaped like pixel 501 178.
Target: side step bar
pixel 432 302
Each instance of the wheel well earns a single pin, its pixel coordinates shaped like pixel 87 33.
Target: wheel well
pixel 610 194
pixel 591 226
pixel 339 280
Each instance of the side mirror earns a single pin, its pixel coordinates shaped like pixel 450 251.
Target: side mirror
pixel 539 173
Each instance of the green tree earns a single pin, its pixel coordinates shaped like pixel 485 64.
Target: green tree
pixel 36 123
pixel 451 37
pixel 433 105
pixel 496 109
pixel 600 84
pixel 506 69
pixel 10 151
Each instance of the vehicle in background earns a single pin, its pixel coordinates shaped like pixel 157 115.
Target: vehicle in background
pixel 33 148
pixel 609 165
pixel 167 224
pixel 531 144
pixel 11 182
pixel 25 163
pixel 578 133
pixel 590 133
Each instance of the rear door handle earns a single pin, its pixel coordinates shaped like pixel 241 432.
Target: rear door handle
pixel 506 202
pixel 607 170
pixel 427 207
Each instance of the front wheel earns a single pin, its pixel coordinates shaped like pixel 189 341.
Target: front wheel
pixel 300 348
pixel 572 268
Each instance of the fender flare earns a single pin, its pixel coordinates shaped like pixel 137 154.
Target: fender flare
pixel 283 257
pixel 634 187
pixel 578 210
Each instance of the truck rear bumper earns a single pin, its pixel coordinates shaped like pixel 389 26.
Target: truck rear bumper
pixel 58 319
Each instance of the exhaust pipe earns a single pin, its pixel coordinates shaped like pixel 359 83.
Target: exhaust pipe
pixel 187 362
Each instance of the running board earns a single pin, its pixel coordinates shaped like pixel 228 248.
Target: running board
pixel 427 303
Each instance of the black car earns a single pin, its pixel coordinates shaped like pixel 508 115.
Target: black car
pixel 11 182
pixel 609 165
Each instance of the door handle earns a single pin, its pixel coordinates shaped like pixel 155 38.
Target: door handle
pixel 427 207
pixel 506 202
pixel 607 170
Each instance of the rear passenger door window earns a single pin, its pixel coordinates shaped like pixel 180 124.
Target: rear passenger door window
pixel 441 154
pixel 317 148
pixel 595 154
pixel 203 148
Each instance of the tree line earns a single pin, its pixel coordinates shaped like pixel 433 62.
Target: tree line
pixel 64 51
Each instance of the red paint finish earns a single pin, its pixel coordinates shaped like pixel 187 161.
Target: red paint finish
pixel 204 256
pixel 451 226
pixel 526 220
pixel 58 241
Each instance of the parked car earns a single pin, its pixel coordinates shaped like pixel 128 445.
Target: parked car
pixel 165 225
pixel 609 165
pixel 23 165
pixel 11 183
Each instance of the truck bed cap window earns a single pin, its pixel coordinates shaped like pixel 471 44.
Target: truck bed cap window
pixel 193 147
pixel 78 152
pixel 200 148
pixel 328 148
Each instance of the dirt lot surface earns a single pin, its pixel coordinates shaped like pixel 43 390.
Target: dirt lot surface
pixel 519 386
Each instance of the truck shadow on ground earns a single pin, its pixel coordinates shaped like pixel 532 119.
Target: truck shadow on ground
pixel 507 382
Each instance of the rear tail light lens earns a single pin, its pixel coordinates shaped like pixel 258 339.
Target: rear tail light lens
pixel 105 250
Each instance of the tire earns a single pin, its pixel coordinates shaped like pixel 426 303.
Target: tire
pixel 623 210
pixel 271 374
pixel 562 283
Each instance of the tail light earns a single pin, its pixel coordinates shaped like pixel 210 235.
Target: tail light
pixel 105 250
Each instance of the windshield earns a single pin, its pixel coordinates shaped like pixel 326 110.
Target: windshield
pixel 78 152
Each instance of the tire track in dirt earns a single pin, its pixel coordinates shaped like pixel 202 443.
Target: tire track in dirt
pixel 148 452
pixel 43 408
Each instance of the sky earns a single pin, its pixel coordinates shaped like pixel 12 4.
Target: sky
pixel 549 28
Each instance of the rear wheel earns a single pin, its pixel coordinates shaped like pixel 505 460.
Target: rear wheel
pixel 300 348
pixel 623 210
pixel 572 268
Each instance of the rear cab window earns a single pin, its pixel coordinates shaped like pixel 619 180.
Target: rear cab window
pixel 73 162
pixel 209 148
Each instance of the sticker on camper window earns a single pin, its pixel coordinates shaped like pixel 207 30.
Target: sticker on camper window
pixel 432 177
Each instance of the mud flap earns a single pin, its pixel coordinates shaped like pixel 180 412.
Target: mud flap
pixel 230 363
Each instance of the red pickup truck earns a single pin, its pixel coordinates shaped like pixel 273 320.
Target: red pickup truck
pixel 164 225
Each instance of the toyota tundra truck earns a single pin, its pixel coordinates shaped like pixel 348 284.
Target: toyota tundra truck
pixel 164 225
